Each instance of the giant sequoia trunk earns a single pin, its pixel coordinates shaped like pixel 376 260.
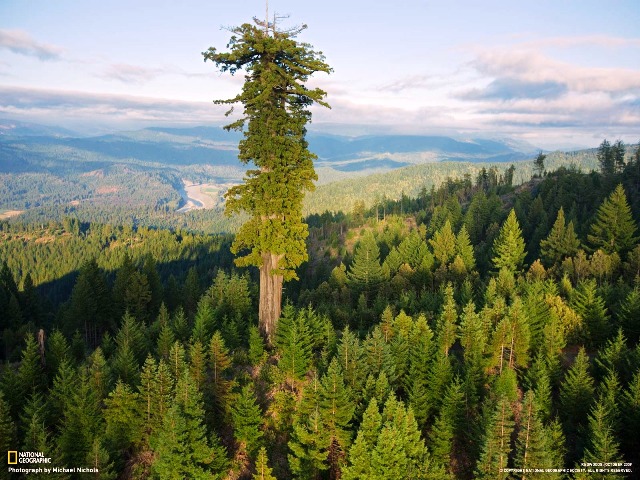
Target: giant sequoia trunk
pixel 270 295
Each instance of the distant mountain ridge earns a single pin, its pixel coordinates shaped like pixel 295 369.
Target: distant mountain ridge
pixel 202 144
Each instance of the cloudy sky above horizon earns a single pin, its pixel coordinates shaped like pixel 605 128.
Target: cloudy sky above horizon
pixel 552 73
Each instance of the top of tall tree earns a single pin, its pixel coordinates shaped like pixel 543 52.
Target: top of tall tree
pixel 538 164
pixel 276 110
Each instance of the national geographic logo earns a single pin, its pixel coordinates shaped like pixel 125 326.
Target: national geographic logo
pixel 15 457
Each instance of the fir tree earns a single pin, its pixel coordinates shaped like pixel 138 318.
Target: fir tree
pixel 7 436
pixel 365 272
pixel 509 247
pixel 124 424
pixel 293 341
pixel 309 447
pixel 444 244
pixel 362 449
pixel 497 444
pixel 256 346
pixel 336 410
pixel 247 420
pixel 533 450
pixel 614 228
pixel 219 365
pixel 263 471
pixel 446 427
pixel 98 459
pixel 182 445
pixel 576 396
pixel 603 447
pixel 561 242
pixel 591 307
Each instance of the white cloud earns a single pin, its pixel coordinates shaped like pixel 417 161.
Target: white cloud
pixel 21 43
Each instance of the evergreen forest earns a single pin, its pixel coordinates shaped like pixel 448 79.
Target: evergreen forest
pixel 478 329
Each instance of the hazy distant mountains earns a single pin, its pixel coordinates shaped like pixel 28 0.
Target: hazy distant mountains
pixel 345 156
pixel 141 176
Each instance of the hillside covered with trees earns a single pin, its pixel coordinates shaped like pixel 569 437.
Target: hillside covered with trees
pixel 471 329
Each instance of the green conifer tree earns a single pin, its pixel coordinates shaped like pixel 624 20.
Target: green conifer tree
pixel 444 244
pixel 123 419
pixel 508 247
pixel 442 438
pixel 336 409
pixel 8 439
pixel 182 447
pixel 362 449
pixel 263 471
pixel 247 420
pixel 365 273
pixel 603 446
pixel 293 341
pixel 276 104
pixel 576 397
pixel 497 444
pixel 561 242
pixel 614 229
pixel 219 365
pixel 533 450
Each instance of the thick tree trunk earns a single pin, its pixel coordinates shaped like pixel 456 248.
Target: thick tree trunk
pixel 270 295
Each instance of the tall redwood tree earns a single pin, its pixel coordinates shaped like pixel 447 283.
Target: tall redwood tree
pixel 276 110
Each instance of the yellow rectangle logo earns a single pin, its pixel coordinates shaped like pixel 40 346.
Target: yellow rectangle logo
pixel 12 454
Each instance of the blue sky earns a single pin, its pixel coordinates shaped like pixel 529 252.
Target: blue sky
pixel 553 73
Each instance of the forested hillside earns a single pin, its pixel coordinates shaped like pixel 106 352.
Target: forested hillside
pixel 138 177
pixel 457 331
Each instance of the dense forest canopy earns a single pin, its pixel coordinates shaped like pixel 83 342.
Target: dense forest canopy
pixel 473 328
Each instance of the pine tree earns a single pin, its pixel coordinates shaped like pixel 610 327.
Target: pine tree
pixel 247 420
pixel 630 408
pixel 591 307
pixel 98 458
pixel 576 397
pixel 256 346
pixel 263 471
pixel 80 423
pixel 361 451
pixel 446 427
pixel 400 452
pixel 219 365
pixel 124 424
pixel 197 363
pixel 349 354
pixel 57 351
pixel 182 446
pixel 309 447
pixel 614 228
pixel 336 410
pixel 30 373
pixel 365 272
pixel 509 247
pixel 7 436
pixel 293 341
pixel 204 321
pixel 533 450
pixel 606 158
pixel 464 249
pixel 561 242
pixel 444 244
pixel 276 106
pixel 497 444
pixel 603 447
